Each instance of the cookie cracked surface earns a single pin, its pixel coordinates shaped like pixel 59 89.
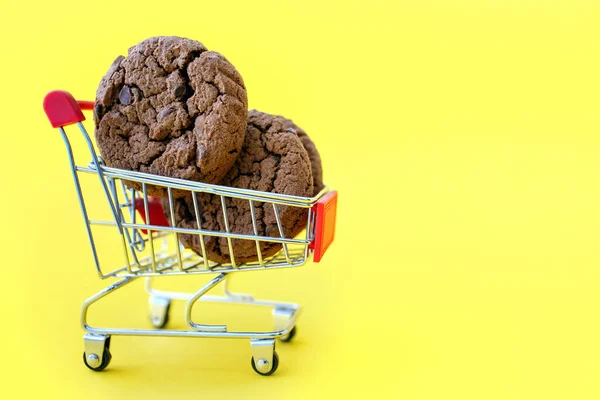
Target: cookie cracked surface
pixel 171 108
pixel 272 159
pixel 313 154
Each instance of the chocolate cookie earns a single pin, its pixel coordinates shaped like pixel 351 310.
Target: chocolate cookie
pixel 171 108
pixel 313 154
pixel 272 159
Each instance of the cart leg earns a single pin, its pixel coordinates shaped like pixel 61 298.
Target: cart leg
pixel 194 298
pixel 264 358
pixel 96 355
pixel 97 351
pixel 101 294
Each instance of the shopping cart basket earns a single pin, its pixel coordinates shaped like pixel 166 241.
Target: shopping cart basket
pixel 150 246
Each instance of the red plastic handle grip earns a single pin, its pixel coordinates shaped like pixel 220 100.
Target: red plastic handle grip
pixel 85 105
pixel 62 109
pixel 326 211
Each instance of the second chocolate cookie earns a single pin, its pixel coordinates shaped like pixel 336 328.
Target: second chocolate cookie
pixel 313 153
pixel 272 159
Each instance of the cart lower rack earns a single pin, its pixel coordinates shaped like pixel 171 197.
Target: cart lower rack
pixel 150 246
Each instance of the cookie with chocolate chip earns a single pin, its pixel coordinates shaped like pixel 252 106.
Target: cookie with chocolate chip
pixel 273 159
pixel 171 108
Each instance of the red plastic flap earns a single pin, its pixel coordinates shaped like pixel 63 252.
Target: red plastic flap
pixel 155 212
pixel 325 211
pixel 62 109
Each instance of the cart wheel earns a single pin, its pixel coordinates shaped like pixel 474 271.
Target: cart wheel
pixel 106 357
pixel 289 336
pixel 273 368
pixel 159 314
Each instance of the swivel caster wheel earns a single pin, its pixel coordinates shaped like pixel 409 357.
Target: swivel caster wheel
pixel 289 336
pixel 264 358
pixel 264 367
pixel 159 311
pixel 97 352
pixel 281 320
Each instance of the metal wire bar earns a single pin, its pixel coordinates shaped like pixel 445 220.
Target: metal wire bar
pixel 200 270
pixel 255 228
pixel 285 249
pixel 231 298
pixel 80 199
pixel 169 229
pixel 193 299
pixel 199 225
pixel 171 209
pixel 113 189
pixel 100 173
pixel 309 235
pixel 174 183
pixel 150 238
pixel 98 296
pixel 224 207
pixel 130 199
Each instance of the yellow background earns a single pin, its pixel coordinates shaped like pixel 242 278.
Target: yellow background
pixel 464 140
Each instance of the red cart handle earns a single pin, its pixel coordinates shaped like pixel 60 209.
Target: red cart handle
pixel 155 212
pixel 325 211
pixel 85 104
pixel 62 109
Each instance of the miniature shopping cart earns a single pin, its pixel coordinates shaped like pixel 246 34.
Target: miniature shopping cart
pixel 150 246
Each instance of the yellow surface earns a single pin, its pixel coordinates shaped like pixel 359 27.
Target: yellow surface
pixel 464 138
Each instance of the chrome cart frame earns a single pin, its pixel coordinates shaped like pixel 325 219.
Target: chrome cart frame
pixel 151 247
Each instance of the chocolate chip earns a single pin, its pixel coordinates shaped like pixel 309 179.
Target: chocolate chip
pixel 166 112
pixel 179 91
pixel 98 111
pixel 291 130
pixel 125 95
